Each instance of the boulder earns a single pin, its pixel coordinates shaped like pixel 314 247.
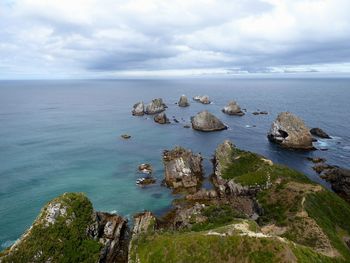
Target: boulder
pixel 161 118
pixel 125 136
pixel 145 168
pixel 290 131
pixel 183 169
pixel 233 109
pixel 202 99
pixel 340 181
pixel 156 106
pixel 183 102
pixel 138 109
pixel 205 121
pixel 146 180
pixel 319 133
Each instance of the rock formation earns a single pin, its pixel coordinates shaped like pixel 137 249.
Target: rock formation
pixel 205 121
pixel 156 106
pixel 233 109
pixel 161 118
pixel 183 169
pixel 145 168
pixel 138 109
pixel 183 102
pixel 202 99
pixel 290 131
pixel 125 136
pixel 319 133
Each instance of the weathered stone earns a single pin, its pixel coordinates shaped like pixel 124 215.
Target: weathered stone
pixel 205 121
pixel 319 133
pixel 183 169
pixel 183 102
pixel 340 181
pixel 291 132
pixel 146 181
pixel 233 109
pixel 145 168
pixel 156 106
pixel 144 222
pixel 161 118
pixel 138 109
pixel 125 136
pixel 202 99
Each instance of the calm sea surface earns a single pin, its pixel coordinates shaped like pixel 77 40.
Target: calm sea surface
pixel 63 136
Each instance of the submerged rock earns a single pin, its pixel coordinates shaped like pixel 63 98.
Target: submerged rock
pixel 233 109
pixel 202 99
pixel 156 106
pixel 205 121
pixel 290 131
pixel 183 169
pixel 146 180
pixel 161 118
pixel 319 133
pixel 183 102
pixel 125 136
pixel 138 109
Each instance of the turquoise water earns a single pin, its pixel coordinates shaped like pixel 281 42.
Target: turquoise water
pixel 60 136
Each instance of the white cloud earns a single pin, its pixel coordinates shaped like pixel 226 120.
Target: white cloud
pixel 119 37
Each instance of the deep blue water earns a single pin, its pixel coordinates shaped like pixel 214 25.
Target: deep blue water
pixel 60 136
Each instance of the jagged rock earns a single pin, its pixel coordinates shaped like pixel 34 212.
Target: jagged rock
pixel 339 179
pixel 202 99
pixel 203 194
pixel 205 121
pixel 290 131
pixel 112 232
pixel 183 102
pixel 183 169
pixel 161 118
pixel 260 113
pixel 146 181
pixel 316 159
pixel 138 109
pixel 156 106
pixel 145 168
pixel 319 133
pixel 125 136
pixel 233 109
pixel 144 222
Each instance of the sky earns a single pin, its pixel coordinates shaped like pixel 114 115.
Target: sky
pixel 146 38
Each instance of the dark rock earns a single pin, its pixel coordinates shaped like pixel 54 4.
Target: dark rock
pixel 156 106
pixel 316 159
pixel 205 121
pixel 319 133
pixel 125 136
pixel 187 126
pixel 183 169
pixel 161 118
pixel 233 109
pixel 183 102
pixel 138 109
pixel 146 181
pixel 175 120
pixel 291 132
pixel 340 181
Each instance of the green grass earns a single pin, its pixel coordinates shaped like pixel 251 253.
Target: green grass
pixel 60 242
pixel 332 214
pixel 218 215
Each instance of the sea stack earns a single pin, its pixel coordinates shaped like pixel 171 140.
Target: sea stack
pixel 202 99
pixel 183 102
pixel 183 169
pixel 290 131
pixel 138 109
pixel 233 109
pixel 205 121
pixel 161 118
pixel 156 106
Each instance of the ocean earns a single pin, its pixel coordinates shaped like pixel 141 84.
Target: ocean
pixel 61 136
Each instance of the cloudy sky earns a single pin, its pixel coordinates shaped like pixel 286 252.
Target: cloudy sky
pixel 114 38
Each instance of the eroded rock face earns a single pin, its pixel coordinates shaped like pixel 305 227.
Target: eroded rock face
pixel 290 131
pixel 339 179
pixel 233 109
pixel 144 222
pixel 183 102
pixel 138 109
pixel 319 133
pixel 183 169
pixel 205 121
pixel 202 99
pixel 161 118
pixel 112 232
pixel 156 106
